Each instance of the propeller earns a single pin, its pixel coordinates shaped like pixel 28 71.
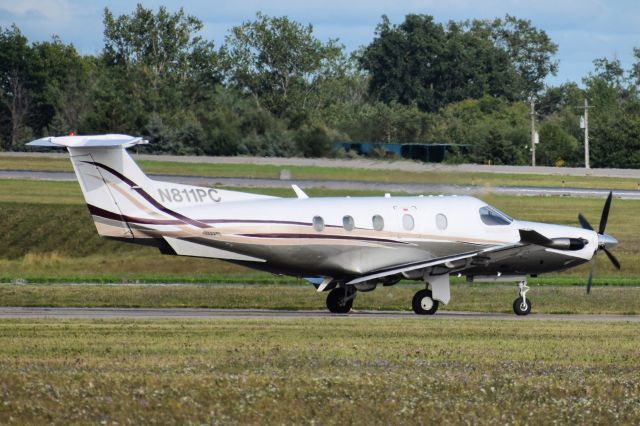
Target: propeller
pixel 604 240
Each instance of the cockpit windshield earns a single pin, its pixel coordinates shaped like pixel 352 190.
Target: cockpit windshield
pixel 492 216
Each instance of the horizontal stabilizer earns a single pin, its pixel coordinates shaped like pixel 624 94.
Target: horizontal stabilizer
pixel 89 141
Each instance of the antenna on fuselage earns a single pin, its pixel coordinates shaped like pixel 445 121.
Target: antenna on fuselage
pixel 299 192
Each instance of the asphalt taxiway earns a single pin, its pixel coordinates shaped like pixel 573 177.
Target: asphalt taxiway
pixel 408 188
pixel 215 314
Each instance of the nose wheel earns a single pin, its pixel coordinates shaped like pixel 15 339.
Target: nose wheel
pixel 423 303
pixel 522 305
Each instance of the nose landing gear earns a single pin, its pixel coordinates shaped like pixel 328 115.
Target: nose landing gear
pixel 423 303
pixel 522 305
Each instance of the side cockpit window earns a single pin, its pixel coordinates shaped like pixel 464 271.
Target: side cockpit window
pixel 493 216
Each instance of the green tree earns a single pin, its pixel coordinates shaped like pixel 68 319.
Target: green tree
pixel 422 62
pixel 313 141
pixel 17 85
pixel 555 99
pixel 387 123
pixel 614 127
pixel 163 44
pixel 611 72
pixel 557 147
pixel 634 74
pixel 64 96
pixel 155 72
pixel 494 130
pixel 280 64
pixel 403 61
pixel 530 50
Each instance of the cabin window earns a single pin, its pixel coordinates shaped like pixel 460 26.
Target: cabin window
pixel 318 223
pixel 407 222
pixel 378 222
pixel 492 216
pixel 348 223
pixel 441 221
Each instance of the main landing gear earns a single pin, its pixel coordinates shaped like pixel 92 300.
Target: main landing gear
pixel 340 299
pixel 522 305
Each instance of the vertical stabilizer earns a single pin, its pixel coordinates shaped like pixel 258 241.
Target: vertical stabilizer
pixel 124 202
pixel 106 173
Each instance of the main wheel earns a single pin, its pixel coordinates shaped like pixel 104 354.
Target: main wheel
pixel 520 307
pixel 336 302
pixel 423 303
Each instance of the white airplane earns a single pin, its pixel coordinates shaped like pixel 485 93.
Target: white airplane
pixel 340 244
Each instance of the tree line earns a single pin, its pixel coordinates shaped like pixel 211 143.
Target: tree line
pixel 271 88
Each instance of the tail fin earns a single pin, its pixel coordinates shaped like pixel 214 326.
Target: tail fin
pixel 125 203
pixel 105 172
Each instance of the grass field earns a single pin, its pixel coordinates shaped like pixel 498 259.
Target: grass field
pixel 464 297
pixel 318 371
pixel 302 371
pixel 339 173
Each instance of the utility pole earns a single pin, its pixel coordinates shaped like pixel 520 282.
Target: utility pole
pixel 533 133
pixel 586 134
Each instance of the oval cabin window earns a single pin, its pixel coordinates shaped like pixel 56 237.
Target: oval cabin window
pixel 318 223
pixel 441 221
pixel 378 222
pixel 348 223
pixel 407 222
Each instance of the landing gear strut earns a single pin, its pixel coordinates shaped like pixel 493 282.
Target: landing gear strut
pixel 423 303
pixel 340 299
pixel 522 305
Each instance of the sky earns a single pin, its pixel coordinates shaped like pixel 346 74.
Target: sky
pixel 583 29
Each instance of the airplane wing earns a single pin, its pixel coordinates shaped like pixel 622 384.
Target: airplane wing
pixel 491 254
pixel 530 241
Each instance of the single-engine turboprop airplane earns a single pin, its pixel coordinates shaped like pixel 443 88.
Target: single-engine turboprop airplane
pixel 341 245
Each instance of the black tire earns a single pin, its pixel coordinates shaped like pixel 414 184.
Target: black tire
pixel 521 309
pixel 423 303
pixel 336 303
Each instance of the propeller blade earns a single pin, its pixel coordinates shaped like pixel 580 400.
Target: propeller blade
pixel 612 258
pixel 605 214
pixel 593 266
pixel 584 222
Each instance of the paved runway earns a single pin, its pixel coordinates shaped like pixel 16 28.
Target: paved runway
pixel 199 313
pixel 410 188
pixel 362 163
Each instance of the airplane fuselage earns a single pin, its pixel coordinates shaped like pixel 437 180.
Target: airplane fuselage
pixel 346 237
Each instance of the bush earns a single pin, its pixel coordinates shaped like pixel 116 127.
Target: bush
pixel 313 141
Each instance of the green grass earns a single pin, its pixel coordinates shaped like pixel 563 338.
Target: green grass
pixel 296 296
pixel 20 191
pixel 310 371
pixel 340 173
pixel 35 163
